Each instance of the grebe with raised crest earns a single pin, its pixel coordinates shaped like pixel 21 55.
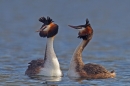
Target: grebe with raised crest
pixel 49 66
pixel 77 67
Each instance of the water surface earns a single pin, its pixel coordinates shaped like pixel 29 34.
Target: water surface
pixel 19 43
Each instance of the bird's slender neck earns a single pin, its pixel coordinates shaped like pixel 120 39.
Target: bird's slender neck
pixel 49 52
pixel 50 59
pixel 77 55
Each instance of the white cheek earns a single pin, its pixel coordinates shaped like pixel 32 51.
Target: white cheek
pixel 47 28
pixel 81 29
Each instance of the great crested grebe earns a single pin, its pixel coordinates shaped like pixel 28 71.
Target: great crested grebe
pixel 89 71
pixel 49 66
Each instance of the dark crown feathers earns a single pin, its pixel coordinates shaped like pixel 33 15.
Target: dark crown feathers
pixel 45 21
pixel 87 22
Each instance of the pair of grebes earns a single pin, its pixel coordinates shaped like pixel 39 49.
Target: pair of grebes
pixel 49 65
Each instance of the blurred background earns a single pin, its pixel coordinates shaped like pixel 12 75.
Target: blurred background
pixel 19 43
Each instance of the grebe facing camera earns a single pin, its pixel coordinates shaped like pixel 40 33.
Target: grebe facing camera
pixel 49 66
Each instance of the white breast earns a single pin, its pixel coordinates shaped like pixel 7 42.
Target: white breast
pixel 51 65
pixel 72 71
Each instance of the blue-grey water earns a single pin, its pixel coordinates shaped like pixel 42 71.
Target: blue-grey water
pixel 19 43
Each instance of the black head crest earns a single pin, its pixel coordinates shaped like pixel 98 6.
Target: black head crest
pixel 46 21
pixel 87 22
pixel 49 20
pixel 42 19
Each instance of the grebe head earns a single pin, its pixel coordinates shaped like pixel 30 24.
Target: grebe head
pixel 85 31
pixel 48 29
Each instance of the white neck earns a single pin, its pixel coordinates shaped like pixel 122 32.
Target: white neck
pixel 51 65
pixel 50 56
pixel 50 53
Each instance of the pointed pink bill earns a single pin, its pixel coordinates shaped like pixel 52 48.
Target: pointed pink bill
pixel 75 27
pixel 41 29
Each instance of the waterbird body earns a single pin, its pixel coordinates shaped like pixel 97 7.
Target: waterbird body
pixel 77 67
pixel 49 66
